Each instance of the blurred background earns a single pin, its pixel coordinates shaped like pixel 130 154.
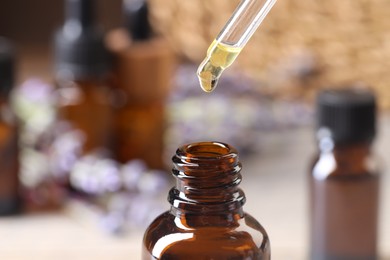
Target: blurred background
pixel 102 194
pixel 31 27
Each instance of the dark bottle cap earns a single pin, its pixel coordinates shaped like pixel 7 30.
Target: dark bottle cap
pixel 137 19
pixel 7 59
pixel 348 114
pixel 79 46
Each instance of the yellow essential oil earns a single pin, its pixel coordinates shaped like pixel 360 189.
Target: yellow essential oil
pixel 219 57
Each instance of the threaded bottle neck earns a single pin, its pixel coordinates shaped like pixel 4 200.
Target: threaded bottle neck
pixel 208 175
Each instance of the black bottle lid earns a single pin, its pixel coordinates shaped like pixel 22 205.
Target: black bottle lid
pixel 79 45
pixel 349 114
pixel 6 66
pixel 137 19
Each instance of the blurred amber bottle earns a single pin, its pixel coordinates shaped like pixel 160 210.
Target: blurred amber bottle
pixel 83 76
pixel 206 219
pixel 144 66
pixel 344 181
pixel 9 164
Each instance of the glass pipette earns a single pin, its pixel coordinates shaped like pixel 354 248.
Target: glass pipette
pixel 225 48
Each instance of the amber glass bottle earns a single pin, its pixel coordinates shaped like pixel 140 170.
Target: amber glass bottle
pixel 206 219
pixel 83 76
pixel 9 183
pixel 144 65
pixel 344 180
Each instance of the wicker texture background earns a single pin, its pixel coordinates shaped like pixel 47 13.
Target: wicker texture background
pixel 345 41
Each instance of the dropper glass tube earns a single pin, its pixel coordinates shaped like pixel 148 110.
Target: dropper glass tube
pixel 231 40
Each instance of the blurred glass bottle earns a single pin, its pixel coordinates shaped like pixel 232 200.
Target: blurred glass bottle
pixel 9 164
pixel 144 66
pixel 206 219
pixel 344 181
pixel 83 76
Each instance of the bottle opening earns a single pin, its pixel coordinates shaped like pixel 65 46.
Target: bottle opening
pixel 207 150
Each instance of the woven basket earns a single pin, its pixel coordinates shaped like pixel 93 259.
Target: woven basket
pixel 346 41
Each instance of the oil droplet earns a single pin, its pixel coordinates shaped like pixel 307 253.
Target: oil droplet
pixel 219 57
pixel 207 80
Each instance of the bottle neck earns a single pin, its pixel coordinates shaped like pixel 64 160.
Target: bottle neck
pixel 79 14
pixel 207 178
pixel 349 157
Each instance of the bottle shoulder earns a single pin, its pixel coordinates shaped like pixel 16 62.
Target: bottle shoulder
pixel 150 50
pixel 331 166
pixel 168 235
pixel 106 81
pixel 73 92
